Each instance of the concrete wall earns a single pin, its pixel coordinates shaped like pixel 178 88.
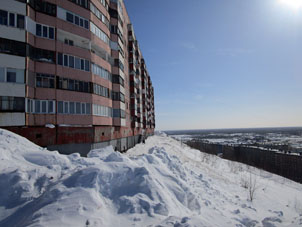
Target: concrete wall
pixel 83 149
pixel 69 140
pixel 12 89
pixel 12 119
pixel 11 61
pixel 12 33
pixel 14 7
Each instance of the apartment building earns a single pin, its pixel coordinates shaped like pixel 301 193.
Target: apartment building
pixel 72 75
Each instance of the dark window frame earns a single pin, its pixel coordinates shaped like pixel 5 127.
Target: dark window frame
pixel 12 19
pixel 12 104
pixel 20 21
pixel 3 17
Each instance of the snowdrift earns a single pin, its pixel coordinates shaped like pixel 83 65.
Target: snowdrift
pixel 160 183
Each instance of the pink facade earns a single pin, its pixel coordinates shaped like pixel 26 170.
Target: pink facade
pixel 81 75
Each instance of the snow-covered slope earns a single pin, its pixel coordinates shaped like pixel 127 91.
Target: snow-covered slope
pixel 160 183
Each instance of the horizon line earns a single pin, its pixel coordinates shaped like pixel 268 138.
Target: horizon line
pixel 265 127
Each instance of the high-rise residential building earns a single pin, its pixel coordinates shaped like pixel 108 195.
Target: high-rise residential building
pixel 72 75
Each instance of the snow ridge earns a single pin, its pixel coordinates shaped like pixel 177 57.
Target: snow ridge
pixel 160 183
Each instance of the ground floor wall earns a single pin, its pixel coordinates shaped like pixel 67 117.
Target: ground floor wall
pixel 81 140
pixel 122 145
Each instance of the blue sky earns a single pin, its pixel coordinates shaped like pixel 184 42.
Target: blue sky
pixel 222 63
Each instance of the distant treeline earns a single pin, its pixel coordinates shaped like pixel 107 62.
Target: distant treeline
pixel 282 130
pixel 286 165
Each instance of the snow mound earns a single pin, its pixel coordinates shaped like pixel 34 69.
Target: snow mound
pixel 160 133
pixel 160 183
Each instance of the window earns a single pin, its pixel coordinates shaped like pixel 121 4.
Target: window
pixel 73 85
pixel 38 30
pixel 87 66
pixel 40 106
pixel 76 85
pixel 11 77
pixel 72 108
pixel 86 87
pixel 99 33
pixel 60 59
pixel 37 106
pixel 45 31
pixel 102 111
pixel 71 61
pixel 74 62
pixel 122 97
pixel 45 80
pixel 20 21
pixel 38 54
pixel 117 79
pixel 83 108
pixel 77 20
pixel 100 71
pixel 118 63
pixel 113 13
pixel 116 113
pixel 60 107
pixel 68 42
pixel 65 60
pixel 105 4
pixel 99 15
pixel 82 64
pixel 100 90
pixel 12 104
pixel 12 19
pixel 86 24
pixel 120 35
pixel 51 33
pixel 69 17
pixel 66 109
pixel 114 96
pixel 44 107
pixel 3 17
pixel 2 74
pixel 121 51
pixel 77 63
pixel 44 7
pixel 12 47
pixel 64 83
pixel 82 3
pixel 118 96
pixel 81 86
pixel 51 106
pixel 7 18
pixel 123 114
pixel 88 108
pixel 78 108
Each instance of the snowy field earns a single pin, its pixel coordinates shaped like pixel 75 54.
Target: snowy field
pixel 249 138
pixel 160 183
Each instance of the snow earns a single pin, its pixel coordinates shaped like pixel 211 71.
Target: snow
pixel 160 183
pixel 50 126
